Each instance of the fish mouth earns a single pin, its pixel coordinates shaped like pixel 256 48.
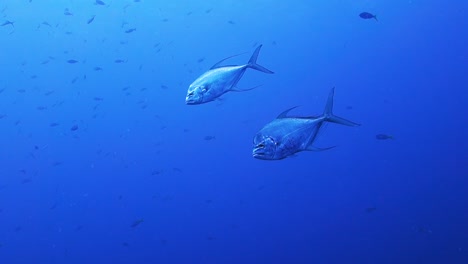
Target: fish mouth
pixel 259 154
pixel 190 101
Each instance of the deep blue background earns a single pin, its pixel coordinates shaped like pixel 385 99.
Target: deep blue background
pixel 140 153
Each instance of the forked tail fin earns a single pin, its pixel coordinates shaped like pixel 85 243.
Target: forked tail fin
pixel 330 117
pixel 253 62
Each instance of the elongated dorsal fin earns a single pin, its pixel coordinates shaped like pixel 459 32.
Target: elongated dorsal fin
pixel 284 114
pixel 221 61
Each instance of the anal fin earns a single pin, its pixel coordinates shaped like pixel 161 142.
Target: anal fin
pixel 236 89
pixel 312 148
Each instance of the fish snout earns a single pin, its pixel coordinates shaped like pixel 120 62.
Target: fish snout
pixel 191 99
pixel 265 147
pixel 259 151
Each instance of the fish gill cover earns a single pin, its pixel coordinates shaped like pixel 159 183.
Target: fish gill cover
pixel 103 161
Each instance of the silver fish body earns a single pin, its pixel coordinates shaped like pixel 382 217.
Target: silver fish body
pixel 220 80
pixel 286 136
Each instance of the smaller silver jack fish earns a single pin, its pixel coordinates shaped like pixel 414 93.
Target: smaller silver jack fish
pixel 220 80
pixel 287 135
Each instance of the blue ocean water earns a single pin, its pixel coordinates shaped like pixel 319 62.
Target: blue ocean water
pixel 103 162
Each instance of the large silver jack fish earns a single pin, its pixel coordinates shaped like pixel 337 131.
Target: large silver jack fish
pixel 288 135
pixel 220 80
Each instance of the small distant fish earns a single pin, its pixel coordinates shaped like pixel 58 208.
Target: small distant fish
pixel 67 12
pixel 72 61
pixel 371 209
pixel 156 172
pixel 74 128
pixel 383 137
pixel 208 138
pixel 45 23
pixel 164 87
pixel 208 10
pixel 201 59
pixel 98 98
pixel 7 22
pixel 91 19
pixel 41 108
pixel 99 2
pixel 120 61
pixel 97 68
pixel 53 206
pixel 231 22
pixel 26 180
pixel 136 223
pixel 367 15
pixel 424 229
pixel 56 163
pixel 54 124
pixel 130 30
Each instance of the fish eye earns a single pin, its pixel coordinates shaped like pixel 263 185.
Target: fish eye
pixel 272 140
pixel 190 94
pixel 261 145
